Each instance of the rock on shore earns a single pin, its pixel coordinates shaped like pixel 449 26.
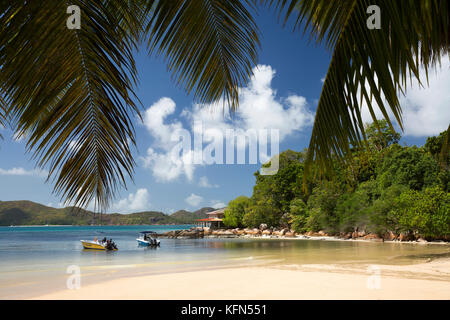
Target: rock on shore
pixel 269 232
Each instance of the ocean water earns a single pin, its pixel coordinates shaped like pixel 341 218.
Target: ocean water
pixel 35 260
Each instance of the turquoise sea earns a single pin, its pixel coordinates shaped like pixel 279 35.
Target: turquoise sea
pixel 35 260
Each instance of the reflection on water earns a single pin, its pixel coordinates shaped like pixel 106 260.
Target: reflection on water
pixel 35 258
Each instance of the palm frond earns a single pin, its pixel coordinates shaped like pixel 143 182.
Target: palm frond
pixel 210 45
pixel 70 92
pixel 368 67
pixel 3 108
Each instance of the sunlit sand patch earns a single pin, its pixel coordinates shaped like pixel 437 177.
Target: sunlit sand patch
pixel 18 284
pixel 435 270
pixel 253 257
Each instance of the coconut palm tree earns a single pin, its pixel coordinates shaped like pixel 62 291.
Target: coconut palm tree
pixel 369 68
pixel 69 93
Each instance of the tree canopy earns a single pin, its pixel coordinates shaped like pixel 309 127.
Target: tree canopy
pixel 388 188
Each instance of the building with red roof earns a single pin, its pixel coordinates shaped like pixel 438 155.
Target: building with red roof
pixel 214 220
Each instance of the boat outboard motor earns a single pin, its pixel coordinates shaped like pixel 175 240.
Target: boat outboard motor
pixel 110 245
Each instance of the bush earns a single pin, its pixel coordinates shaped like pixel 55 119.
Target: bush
pixel 408 166
pixel 425 213
pixel 235 212
pixel 351 210
pixel 258 214
pixel 380 217
pixel 298 216
pixel 323 203
pixel 317 219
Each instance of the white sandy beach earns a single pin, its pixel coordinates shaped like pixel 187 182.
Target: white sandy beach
pixel 423 281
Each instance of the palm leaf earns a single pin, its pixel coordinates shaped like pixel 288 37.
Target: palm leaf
pixel 3 108
pixel 70 92
pixel 368 67
pixel 210 45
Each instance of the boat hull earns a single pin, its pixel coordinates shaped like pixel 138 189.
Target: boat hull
pixel 146 243
pixel 91 245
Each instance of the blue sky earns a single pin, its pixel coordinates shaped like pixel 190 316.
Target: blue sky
pixel 284 93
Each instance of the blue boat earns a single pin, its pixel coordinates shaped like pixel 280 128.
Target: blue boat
pixel 148 239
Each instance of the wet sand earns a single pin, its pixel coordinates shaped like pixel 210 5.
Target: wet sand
pixel 420 281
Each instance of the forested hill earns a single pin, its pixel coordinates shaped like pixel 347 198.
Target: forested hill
pixel 31 213
pixel 387 189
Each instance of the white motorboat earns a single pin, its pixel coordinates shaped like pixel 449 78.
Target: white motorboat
pixel 148 239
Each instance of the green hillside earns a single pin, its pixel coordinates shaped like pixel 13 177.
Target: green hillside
pixel 185 217
pixel 31 213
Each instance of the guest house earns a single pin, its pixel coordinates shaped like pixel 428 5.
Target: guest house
pixel 214 220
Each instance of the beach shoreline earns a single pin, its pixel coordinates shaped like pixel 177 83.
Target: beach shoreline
pixel 213 267
pixel 277 282
pixel 255 234
pixel 297 236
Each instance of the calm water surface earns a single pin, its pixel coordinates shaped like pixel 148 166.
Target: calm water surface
pixel 35 259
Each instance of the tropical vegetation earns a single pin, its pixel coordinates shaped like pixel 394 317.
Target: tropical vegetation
pixel 387 188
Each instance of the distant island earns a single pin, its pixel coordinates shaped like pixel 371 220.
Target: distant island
pixel 30 213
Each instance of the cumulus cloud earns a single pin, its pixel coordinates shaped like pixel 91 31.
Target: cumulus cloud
pixel 194 200
pixel 154 121
pixel 168 165
pixel 426 109
pixel 216 204
pixel 165 162
pixel 58 205
pixel 259 108
pixel 23 172
pixel 204 183
pixel 135 202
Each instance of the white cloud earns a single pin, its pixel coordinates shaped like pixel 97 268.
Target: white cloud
pixel 194 200
pixel 216 204
pixel 168 165
pixel 259 108
pixel 426 110
pixel 165 162
pixel 136 202
pixel 154 121
pixel 23 172
pixel 204 183
pixel 58 206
